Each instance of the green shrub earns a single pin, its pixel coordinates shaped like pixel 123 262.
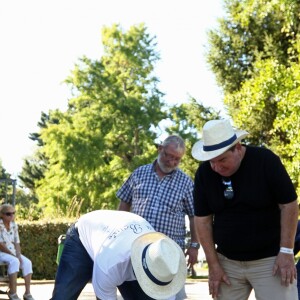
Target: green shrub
pixel 39 242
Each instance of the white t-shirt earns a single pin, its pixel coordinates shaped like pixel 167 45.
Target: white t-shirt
pixel 107 235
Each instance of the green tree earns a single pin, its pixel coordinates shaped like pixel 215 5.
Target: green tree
pixel 5 184
pixel 27 206
pixel 35 165
pixel 109 126
pixel 251 31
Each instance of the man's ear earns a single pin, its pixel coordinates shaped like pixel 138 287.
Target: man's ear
pixel 238 146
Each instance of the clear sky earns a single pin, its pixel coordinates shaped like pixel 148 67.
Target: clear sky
pixel 41 40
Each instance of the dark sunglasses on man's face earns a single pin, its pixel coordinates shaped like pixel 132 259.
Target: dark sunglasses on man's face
pixel 9 214
pixel 228 192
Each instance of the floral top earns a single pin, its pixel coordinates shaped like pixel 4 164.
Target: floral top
pixel 9 237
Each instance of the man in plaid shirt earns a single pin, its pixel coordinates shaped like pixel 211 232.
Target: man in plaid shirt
pixel 163 194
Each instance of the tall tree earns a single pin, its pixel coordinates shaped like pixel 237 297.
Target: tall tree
pixel 251 31
pixel 5 183
pixel 109 126
pixel 35 165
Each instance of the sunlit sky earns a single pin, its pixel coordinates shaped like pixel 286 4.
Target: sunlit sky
pixel 42 40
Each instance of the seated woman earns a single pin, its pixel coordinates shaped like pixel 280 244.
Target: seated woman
pixel 10 253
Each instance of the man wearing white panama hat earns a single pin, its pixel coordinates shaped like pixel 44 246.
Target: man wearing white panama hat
pixel 119 249
pixel 246 216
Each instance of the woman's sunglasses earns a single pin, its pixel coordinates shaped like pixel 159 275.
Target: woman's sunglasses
pixel 9 214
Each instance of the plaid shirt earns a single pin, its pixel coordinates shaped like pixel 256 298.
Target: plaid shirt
pixel 162 202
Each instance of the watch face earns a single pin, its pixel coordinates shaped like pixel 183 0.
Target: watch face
pixel 195 245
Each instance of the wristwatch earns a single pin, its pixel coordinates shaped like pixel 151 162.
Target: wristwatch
pixel 195 245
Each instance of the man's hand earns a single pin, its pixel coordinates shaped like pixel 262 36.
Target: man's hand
pixel 285 265
pixel 192 254
pixel 216 276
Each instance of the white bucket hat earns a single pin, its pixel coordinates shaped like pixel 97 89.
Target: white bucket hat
pixel 159 265
pixel 217 137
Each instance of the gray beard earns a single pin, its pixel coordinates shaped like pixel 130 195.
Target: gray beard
pixel 163 168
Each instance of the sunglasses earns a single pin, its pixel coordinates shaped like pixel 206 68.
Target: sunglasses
pixel 9 214
pixel 228 192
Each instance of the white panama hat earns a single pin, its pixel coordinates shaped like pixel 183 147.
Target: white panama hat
pixel 159 265
pixel 217 137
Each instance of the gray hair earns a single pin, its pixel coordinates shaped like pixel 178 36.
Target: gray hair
pixel 5 207
pixel 174 139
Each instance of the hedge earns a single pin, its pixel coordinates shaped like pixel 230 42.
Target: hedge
pixel 39 242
